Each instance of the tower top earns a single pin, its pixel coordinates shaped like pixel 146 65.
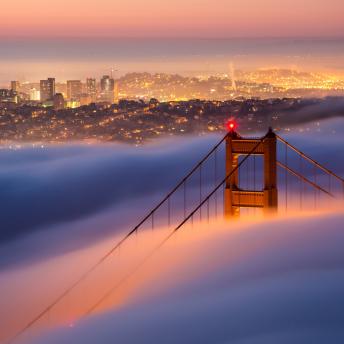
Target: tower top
pixel 270 133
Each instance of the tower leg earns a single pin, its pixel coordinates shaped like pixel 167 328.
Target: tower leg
pixel 232 182
pixel 270 201
pixel 270 174
pixel 230 210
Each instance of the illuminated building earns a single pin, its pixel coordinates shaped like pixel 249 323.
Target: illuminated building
pixel 116 93
pixel 15 86
pixel 8 96
pixel 34 95
pixel 74 89
pixel 85 99
pixel 91 88
pixel 47 89
pixel 107 86
pixel 73 104
pixel 58 101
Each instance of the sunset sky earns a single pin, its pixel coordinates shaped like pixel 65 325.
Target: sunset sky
pixel 180 18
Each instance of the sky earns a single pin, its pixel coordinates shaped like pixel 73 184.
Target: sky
pixel 156 18
pixel 75 39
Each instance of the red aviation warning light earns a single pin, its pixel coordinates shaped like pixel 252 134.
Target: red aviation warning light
pixel 231 125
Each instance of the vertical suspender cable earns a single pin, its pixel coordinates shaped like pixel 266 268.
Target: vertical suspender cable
pixel 247 174
pixel 169 212
pixel 208 210
pixel 286 178
pixel 215 179
pixel 200 191
pixel 315 191
pixel 301 186
pixel 184 190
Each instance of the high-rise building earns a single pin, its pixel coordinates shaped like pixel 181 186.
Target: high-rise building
pixel 107 83
pixel 47 89
pixel 34 94
pixel 58 101
pixel 232 75
pixel 107 86
pixel 91 88
pixel 15 86
pixel 74 89
pixel 116 92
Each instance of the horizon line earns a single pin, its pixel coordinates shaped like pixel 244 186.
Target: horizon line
pixel 134 37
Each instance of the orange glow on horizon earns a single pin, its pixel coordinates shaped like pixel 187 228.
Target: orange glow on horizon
pixel 184 19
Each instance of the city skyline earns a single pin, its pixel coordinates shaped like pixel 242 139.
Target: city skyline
pixel 171 171
pixel 68 59
pixel 235 84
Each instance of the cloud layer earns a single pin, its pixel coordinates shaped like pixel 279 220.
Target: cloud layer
pixel 254 283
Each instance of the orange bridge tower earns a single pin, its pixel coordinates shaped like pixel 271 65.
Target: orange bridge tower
pixel 234 197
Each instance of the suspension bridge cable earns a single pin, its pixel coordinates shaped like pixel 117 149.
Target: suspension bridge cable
pixel 175 230
pixel 191 216
pixel 116 246
pixel 167 197
pixel 301 177
pixel 309 159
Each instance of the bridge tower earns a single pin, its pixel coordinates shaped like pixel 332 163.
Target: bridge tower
pixel 234 197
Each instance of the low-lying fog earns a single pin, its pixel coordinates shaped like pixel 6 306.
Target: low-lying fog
pixel 258 281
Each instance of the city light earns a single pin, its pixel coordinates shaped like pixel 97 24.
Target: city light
pixel 179 160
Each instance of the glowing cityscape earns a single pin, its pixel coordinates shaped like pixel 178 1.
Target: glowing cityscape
pixel 171 172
